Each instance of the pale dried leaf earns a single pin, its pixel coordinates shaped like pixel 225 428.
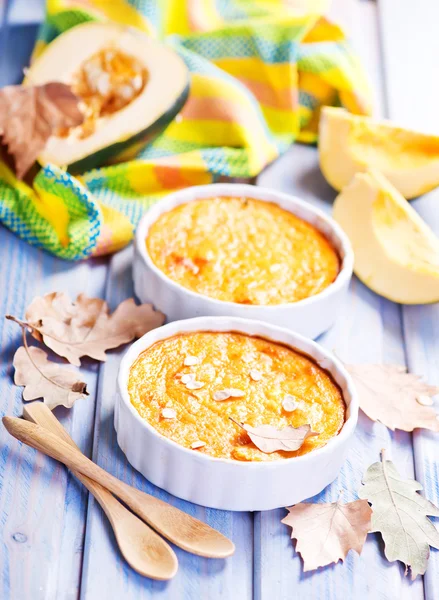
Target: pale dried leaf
pixel 41 378
pixel 85 327
pixel 270 439
pixel 326 532
pixel 29 115
pixel 425 400
pixel 400 515
pixel 389 394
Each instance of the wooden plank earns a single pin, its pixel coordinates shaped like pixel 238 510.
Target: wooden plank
pixel 3 42
pixel 105 575
pixel 369 330
pixel 42 508
pixel 16 45
pixel 411 48
pixel 43 526
pixel 26 12
pixel 410 44
pixel 359 20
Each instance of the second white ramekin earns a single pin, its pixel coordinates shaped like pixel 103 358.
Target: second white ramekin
pixel 224 483
pixel 310 317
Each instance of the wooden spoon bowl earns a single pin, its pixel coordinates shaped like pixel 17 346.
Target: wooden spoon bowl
pixel 177 526
pixel 143 549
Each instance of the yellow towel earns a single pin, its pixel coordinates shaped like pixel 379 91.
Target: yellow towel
pixel 260 71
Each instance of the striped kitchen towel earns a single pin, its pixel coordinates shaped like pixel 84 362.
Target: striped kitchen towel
pixel 260 71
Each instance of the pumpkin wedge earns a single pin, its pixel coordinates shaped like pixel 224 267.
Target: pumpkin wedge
pixel 130 85
pixel 396 253
pixel 351 143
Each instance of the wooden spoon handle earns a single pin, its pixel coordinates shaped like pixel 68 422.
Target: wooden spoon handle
pixel 38 437
pixel 177 526
pixel 40 414
pixel 157 559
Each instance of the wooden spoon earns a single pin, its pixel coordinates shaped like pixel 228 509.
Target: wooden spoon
pixel 177 526
pixel 143 549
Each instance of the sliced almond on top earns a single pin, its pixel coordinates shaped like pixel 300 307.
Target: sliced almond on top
pixel 234 393
pixel 197 444
pixel 255 375
pixel 221 395
pixel 194 385
pixel 275 268
pixel 169 413
pixel 190 361
pixel 289 403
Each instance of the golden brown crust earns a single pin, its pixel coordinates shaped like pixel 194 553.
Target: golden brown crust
pixel 261 374
pixel 242 250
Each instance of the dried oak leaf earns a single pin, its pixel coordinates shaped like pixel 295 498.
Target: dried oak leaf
pixel 400 515
pixel 270 439
pixel 29 115
pixel 44 379
pixel 85 327
pixel 393 397
pixel 326 532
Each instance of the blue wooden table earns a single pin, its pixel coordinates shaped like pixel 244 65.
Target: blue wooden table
pixel 55 541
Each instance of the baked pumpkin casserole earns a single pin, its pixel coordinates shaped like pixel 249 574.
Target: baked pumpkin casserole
pixel 242 250
pixel 196 388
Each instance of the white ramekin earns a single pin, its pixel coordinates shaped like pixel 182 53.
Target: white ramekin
pixel 225 483
pixel 311 316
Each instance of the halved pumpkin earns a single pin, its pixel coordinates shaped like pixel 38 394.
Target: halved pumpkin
pixel 132 87
pixel 351 143
pixel 396 253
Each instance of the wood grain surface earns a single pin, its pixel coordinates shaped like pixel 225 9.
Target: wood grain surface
pixel 56 544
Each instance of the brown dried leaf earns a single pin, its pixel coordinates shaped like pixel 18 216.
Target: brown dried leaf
pixel 326 532
pixel 44 379
pixel 85 327
pixel 270 439
pixel 393 397
pixel 29 115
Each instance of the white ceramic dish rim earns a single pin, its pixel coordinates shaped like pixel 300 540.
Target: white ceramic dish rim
pixel 346 254
pixel 143 343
